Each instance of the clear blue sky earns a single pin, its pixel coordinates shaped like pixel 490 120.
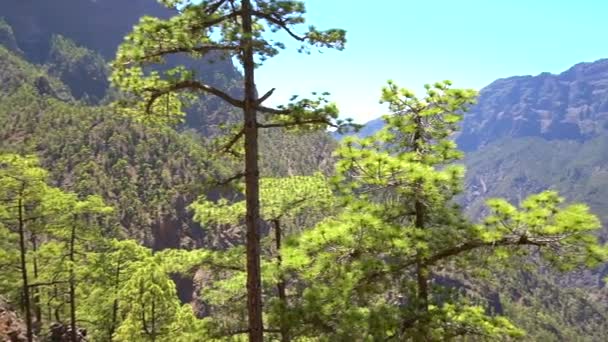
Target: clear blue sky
pixel 471 42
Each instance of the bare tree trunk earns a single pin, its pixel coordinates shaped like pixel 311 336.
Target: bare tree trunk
pixel 153 317
pixel 36 290
pixel 422 270
pixel 73 333
pixel 281 283
pixel 26 288
pixel 115 304
pixel 252 175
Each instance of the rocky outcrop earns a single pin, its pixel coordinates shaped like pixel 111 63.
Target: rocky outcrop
pixel 12 328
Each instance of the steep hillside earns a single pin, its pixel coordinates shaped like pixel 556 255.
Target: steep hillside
pixel 513 168
pixel 151 174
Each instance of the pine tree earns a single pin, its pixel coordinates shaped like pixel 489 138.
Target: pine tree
pixel 130 296
pixel 52 232
pixel 22 185
pixel 372 270
pixel 72 232
pixel 224 28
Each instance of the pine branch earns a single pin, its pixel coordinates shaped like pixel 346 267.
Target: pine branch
pixel 298 123
pixel 228 146
pixel 194 86
pixel 281 23
pixel 182 49
pixel 265 97
pixel 512 240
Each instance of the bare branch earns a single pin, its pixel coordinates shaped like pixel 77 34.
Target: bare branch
pixel 210 23
pixel 214 7
pixel 512 240
pixel 265 97
pixel 274 111
pixel 246 331
pixel 231 179
pixel 56 282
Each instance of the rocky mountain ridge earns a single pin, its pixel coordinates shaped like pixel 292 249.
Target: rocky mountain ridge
pixel 572 105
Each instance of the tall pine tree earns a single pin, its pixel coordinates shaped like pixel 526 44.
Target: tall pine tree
pixel 224 28
pixel 373 271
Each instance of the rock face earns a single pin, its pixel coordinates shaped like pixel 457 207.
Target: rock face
pixel 99 25
pixel 12 328
pixel 570 106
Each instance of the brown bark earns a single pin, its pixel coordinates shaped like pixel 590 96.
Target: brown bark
pixel 73 332
pixel 115 304
pixel 26 289
pixel 284 328
pixel 422 268
pixel 254 279
pixel 36 290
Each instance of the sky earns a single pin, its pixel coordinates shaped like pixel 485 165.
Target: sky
pixel 413 42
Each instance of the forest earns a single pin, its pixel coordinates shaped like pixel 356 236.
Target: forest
pixel 149 192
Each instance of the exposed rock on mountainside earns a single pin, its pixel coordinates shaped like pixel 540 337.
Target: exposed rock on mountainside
pixel 570 106
pixel 99 25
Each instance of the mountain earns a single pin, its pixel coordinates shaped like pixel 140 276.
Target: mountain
pixel 99 25
pixel 531 133
pixel 570 106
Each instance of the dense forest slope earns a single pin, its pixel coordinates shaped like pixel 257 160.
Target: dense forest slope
pixel 93 151
pixel 111 155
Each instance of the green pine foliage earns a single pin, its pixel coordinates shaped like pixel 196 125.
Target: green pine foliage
pixel 75 271
pixel 371 270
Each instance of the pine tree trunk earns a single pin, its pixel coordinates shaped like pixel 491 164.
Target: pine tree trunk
pixel 115 304
pixel 36 290
pixel 26 287
pixel 153 316
pixel 254 280
pixel 73 332
pixel 281 283
pixel 422 280
pixel 422 270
